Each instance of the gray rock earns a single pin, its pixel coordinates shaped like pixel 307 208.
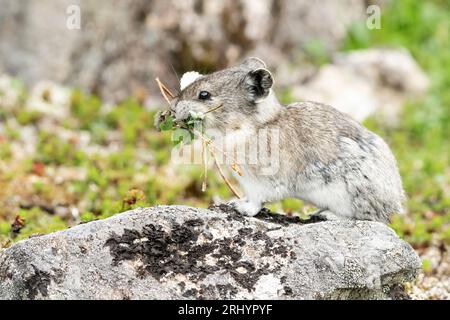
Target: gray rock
pixel 366 82
pixel 171 252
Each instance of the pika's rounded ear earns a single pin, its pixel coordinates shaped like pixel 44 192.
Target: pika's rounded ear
pixel 258 84
pixel 253 63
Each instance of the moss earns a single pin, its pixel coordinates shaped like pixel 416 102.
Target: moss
pixel 85 108
pixel 25 117
pixel 5 151
pixel 87 217
pixel 426 266
pixel 54 150
pixel 39 222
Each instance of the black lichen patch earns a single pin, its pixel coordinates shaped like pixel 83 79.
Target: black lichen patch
pixel 266 215
pixel 232 213
pixel 164 253
pixel 161 252
pixel 4 272
pixel 250 274
pixel 226 291
pixel 284 220
pixel 245 231
pixel 288 291
pixel 38 282
pixel 190 293
pixel 83 249
pixel 397 292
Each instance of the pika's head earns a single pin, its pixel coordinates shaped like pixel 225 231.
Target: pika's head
pixel 227 96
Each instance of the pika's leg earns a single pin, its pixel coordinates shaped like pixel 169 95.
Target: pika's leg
pixel 245 207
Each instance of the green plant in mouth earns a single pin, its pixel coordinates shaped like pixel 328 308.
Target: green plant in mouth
pixel 166 120
pixel 183 131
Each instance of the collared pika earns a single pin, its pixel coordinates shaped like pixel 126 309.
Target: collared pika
pixel 325 157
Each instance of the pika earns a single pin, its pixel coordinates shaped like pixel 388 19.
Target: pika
pixel 325 157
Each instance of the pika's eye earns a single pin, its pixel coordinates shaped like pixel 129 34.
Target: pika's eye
pixel 204 95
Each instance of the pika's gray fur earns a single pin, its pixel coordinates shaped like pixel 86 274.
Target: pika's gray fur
pixel 326 158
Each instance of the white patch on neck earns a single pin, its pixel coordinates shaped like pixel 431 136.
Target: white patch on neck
pixel 188 78
pixel 268 107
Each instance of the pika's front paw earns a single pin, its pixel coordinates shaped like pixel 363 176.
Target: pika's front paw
pixel 244 207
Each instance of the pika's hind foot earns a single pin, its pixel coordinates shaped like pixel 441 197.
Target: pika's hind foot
pixel 244 207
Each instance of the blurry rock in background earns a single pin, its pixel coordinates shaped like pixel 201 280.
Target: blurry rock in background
pixel 124 44
pixel 164 38
pixel 363 82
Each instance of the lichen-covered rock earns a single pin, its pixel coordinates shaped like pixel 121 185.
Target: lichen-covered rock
pixel 170 252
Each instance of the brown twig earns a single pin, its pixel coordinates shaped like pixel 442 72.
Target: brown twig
pixel 164 91
pixel 205 166
pixel 214 109
pixel 209 142
pixel 224 178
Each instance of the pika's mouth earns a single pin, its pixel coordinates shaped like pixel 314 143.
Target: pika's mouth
pixel 180 116
pixel 183 112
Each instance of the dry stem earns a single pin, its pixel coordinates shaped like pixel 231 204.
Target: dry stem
pixel 164 91
pixel 214 109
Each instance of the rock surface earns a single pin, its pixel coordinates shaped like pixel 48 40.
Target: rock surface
pixel 170 252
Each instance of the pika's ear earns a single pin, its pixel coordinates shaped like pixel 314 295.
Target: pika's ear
pixel 258 84
pixel 253 63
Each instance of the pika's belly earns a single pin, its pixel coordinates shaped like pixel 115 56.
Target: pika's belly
pixel 264 188
pixel 332 196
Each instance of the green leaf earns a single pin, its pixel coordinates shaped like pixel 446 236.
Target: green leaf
pixel 181 135
pixel 167 124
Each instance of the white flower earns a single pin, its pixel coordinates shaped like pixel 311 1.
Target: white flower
pixel 10 90
pixel 197 115
pixel 188 78
pixel 50 98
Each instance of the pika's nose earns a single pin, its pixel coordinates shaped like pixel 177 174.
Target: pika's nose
pixel 181 110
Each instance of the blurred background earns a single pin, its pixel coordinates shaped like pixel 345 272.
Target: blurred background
pixel 78 97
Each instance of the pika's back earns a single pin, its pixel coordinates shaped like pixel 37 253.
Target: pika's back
pixel 328 146
pixel 313 131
